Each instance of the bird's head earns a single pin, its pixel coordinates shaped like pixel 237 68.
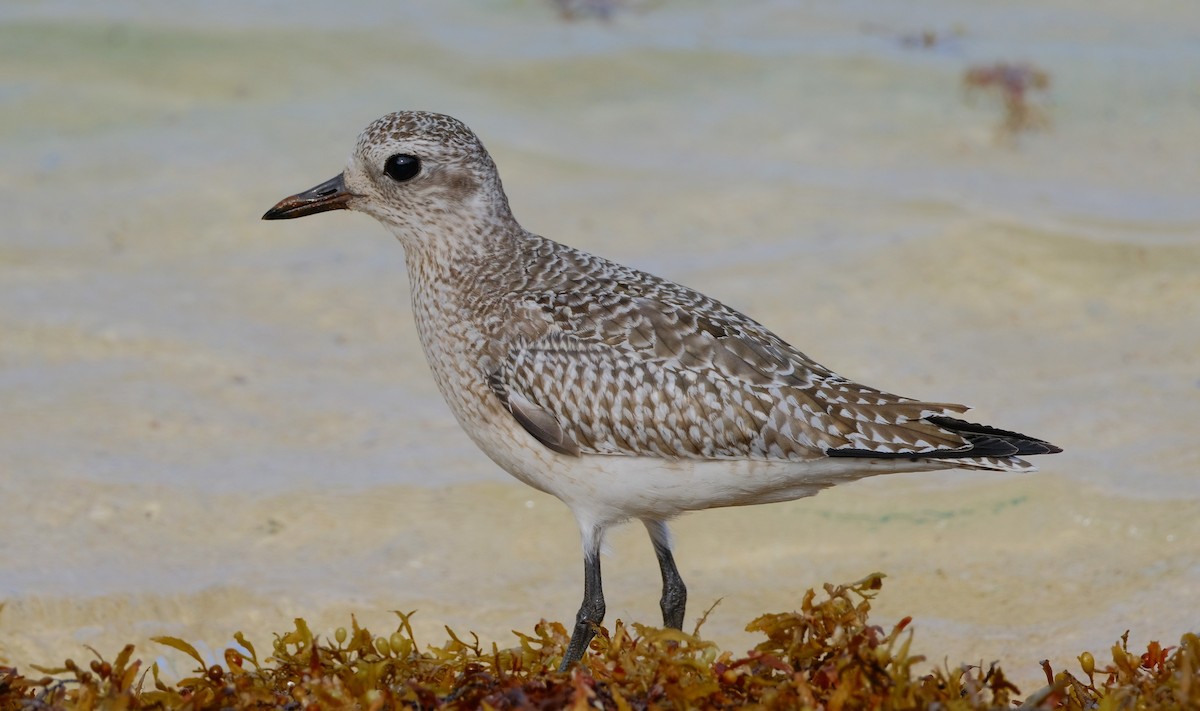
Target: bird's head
pixel 421 174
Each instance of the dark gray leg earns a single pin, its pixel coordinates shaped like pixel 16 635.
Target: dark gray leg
pixel 674 595
pixel 591 612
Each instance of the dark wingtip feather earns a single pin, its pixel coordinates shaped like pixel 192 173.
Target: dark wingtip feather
pixel 983 441
pixel 1024 443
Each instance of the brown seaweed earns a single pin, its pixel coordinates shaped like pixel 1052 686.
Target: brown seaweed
pixel 1013 84
pixel 825 655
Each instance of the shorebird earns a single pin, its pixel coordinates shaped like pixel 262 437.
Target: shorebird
pixel 624 395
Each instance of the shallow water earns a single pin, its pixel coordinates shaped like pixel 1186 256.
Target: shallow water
pixel 211 423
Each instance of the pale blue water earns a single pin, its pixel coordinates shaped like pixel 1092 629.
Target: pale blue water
pixel 141 142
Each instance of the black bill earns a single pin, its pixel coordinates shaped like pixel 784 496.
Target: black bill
pixel 329 195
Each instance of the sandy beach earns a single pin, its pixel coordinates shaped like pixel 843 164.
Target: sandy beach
pixel 210 423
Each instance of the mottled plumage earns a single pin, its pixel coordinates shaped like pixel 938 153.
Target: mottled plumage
pixel 630 364
pixel 623 394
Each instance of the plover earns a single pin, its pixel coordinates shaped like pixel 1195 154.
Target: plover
pixel 625 395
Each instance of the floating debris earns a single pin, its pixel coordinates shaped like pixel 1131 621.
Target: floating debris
pixel 826 655
pixel 946 41
pixel 925 39
pixel 1012 83
pixel 581 9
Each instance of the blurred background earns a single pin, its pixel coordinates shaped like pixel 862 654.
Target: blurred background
pixel 210 423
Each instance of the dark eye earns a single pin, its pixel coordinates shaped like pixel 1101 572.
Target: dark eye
pixel 401 167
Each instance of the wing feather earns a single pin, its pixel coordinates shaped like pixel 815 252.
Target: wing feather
pixel 592 398
pixel 630 364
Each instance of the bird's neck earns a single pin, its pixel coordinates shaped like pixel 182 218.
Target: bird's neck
pixel 460 294
pixel 460 246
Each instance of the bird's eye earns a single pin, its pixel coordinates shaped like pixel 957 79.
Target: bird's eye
pixel 401 167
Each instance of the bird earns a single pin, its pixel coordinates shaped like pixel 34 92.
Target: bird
pixel 624 395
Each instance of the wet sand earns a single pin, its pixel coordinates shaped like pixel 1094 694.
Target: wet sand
pixel 991 568
pixel 211 424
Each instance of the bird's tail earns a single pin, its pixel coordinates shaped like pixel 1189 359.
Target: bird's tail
pixel 992 448
pixel 986 447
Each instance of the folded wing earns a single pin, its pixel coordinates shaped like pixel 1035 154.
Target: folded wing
pixel 586 397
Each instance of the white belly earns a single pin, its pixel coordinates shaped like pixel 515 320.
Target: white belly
pixel 604 490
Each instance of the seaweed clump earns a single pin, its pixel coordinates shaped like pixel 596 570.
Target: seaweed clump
pixel 826 655
pixel 1013 83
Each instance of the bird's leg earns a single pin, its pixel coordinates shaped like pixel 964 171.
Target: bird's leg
pixel 674 595
pixel 591 612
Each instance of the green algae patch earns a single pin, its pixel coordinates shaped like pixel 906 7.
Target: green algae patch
pixel 825 655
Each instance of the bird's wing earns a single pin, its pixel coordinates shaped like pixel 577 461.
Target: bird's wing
pixel 662 380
